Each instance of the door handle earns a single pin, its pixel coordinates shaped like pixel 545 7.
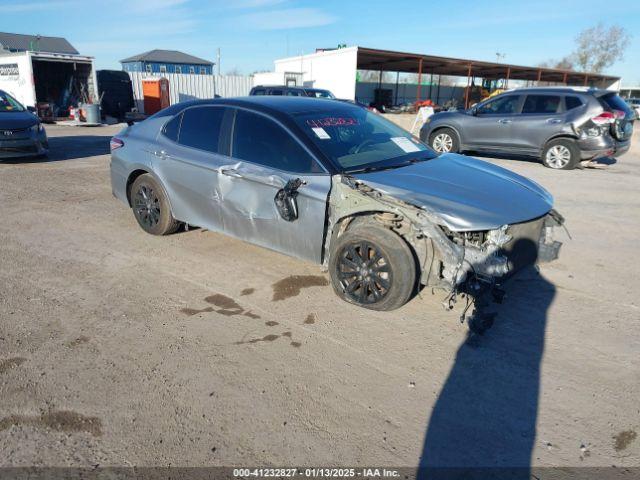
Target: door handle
pixel 504 120
pixel 554 120
pixel 230 172
pixel 161 154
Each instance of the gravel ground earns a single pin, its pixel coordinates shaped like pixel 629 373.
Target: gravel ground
pixel 119 348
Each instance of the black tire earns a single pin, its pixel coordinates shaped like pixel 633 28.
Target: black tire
pixel 439 138
pixel 151 207
pixel 561 154
pixel 388 282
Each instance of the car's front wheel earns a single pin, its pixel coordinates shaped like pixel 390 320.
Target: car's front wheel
pixel 444 140
pixel 561 154
pixel 151 206
pixel 373 267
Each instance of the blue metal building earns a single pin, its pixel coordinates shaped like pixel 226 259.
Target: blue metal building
pixel 167 61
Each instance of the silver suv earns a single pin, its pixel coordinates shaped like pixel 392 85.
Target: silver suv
pixel 559 125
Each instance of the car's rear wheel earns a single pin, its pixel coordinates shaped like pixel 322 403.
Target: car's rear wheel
pixel 444 140
pixel 373 267
pixel 151 206
pixel 561 154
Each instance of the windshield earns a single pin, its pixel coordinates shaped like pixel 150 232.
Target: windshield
pixel 320 93
pixel 356 139
pixel 9 104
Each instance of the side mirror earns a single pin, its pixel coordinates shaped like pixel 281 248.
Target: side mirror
pixel 32 109
pixel 473 111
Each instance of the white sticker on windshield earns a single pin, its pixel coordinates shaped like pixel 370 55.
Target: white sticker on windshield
pixel 321 133
pixel 405 144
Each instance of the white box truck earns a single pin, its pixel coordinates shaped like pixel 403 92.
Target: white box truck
pixel 57 79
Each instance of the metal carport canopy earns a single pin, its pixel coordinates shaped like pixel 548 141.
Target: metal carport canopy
pixel 387 60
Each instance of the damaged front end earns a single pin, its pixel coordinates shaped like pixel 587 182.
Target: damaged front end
pixel 468 265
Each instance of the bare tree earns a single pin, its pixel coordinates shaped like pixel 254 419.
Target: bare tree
pixel 372 76
pixel 565 63
pixel 600 47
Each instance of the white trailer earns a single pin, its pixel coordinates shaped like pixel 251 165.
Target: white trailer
pixel 54 78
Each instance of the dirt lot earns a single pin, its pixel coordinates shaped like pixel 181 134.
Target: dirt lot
pixel 119 348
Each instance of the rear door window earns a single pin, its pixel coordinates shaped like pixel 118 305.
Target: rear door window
pixel 546 104
pixel 572 102
pixel 501 106
pixel 260 140
pixel 275 91
pixel 201 128
pixel 172 128
pixel 258 91
pixel 293 93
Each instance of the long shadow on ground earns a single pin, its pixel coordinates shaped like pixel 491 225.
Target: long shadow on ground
pixel 484 422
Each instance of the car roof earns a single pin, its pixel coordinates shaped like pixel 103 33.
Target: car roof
pixel 273 104
pixel 598 92
pixel 292 87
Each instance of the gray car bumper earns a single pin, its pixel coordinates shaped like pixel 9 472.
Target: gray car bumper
pixel 605 146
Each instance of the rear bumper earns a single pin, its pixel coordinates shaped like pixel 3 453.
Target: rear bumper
pixel 604 146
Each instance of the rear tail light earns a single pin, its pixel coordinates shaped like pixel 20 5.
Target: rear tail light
pixel 604 118
pixel 115 143
pixel 608 117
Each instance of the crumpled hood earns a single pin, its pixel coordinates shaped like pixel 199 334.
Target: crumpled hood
pixel 466 193
pixel 16 120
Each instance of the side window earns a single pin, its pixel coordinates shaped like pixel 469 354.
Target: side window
pixel 259 140
pixel 541 104
pixel 572 102
pixel 200 128
pixel 258 91
pixel 275 92
pixel 501 105
pixel 172 128
pixel 293 93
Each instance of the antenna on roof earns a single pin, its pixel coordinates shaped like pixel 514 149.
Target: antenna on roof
pixel 500 56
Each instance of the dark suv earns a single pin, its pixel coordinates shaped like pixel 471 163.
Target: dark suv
pixel 291 91
pixel 559 125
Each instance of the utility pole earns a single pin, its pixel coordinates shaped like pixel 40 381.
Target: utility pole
pixel 218 59
pixel 500 56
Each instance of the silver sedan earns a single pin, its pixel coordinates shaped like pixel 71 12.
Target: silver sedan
pixel 331 183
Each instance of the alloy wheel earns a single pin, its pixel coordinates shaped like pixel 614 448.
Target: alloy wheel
pixel 558 156
pixel 442 143
pixel 146 204
pixel 364 273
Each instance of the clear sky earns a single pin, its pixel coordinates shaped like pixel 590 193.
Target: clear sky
pixel 252 33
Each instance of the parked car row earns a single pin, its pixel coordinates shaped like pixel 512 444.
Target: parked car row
pixel 560 126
